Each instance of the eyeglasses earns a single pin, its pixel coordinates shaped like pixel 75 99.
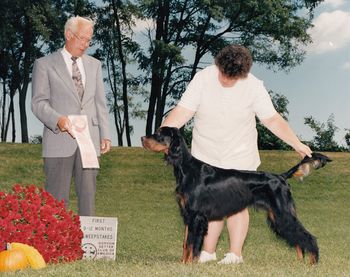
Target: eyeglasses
pixel 83 40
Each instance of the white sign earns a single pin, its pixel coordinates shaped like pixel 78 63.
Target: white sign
pixel 100 237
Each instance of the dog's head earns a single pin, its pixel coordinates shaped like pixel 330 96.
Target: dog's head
pixel 167 140
pixel 320 160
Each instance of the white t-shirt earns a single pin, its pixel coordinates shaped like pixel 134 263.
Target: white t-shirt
pixel 224 133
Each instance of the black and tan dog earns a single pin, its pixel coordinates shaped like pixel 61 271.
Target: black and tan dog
pixel 206 193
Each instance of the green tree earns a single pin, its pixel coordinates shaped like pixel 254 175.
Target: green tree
pixel 8 91
pixel 347 138
pixel 324 138
pixel 272 30
pixel 28 29
pixel 36 139
pixel 114 35
pixel 23 33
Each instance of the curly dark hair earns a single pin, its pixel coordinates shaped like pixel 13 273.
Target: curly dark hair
pixel 234 61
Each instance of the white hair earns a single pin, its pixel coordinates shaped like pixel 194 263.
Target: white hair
pixel 72 23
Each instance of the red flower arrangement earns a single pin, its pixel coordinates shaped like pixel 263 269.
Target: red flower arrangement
pixel 33 216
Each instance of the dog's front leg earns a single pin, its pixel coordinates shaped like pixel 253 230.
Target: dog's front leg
pixel 188 245
pixel 184 247
pixel 189 254
pixel 300 253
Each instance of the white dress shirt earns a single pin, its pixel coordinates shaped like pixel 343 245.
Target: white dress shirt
pixel 67 58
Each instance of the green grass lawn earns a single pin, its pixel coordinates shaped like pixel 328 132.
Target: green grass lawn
pixel 137 187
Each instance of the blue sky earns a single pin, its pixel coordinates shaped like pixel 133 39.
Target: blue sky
pixel 318 87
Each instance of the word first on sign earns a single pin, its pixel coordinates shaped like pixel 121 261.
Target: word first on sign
pixel 100 237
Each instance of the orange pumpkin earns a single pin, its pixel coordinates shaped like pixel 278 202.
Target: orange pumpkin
pixel 35 260
pixel 12 259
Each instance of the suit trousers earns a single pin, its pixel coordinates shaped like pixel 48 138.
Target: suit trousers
pixel 59 172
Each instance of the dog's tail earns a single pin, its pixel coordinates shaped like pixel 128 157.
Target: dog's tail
pixel 304 168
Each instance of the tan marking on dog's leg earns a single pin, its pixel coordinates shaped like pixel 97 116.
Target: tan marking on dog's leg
pixel 185 251
pixel 190 256
pixel 271 215
pixel 299 253
pixel 312 259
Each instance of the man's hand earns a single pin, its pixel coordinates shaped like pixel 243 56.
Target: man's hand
pixel 105 146
pixel 65 125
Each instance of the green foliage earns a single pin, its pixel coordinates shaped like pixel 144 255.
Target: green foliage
pixel 29 30
pixel 267 140
pixel 324 137
pixel 274 31
pixel 187 133
pixel 36 139
pixel 347 138
pixel 136 187
pixel 116 50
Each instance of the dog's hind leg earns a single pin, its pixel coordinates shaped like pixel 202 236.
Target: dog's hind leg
pixel 200 230
pixel 276 198
pixel 288 227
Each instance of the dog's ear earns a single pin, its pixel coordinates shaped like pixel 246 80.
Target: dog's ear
pixel 174 155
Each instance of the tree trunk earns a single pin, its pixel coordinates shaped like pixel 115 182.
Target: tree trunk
pixel 23 113
pixel 158 65
pixel 162 100
pixel 151 106
pixel 27 62
pixel 3 119
pixel 113 85
pixel 124 77
pixel 11 115
pixel 12 109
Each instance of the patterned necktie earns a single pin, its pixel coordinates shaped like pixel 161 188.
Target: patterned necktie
pixel 77 79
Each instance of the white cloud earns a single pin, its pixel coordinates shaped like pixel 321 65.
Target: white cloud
pixel 331 32
pixel 334 3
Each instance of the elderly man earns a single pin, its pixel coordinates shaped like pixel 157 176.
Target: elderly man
pixel 69 82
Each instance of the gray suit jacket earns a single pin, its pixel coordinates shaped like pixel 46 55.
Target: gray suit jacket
pixel 54 95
